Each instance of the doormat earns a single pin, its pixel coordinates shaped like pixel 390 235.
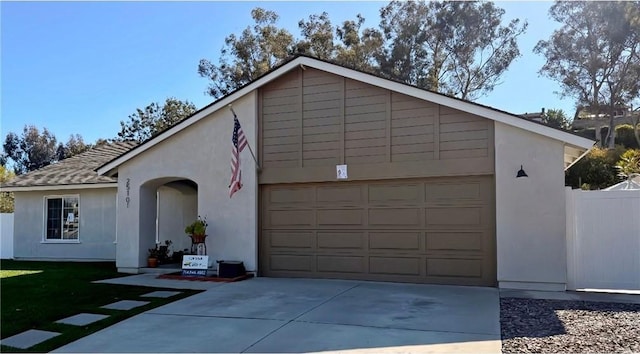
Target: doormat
pixel 179 276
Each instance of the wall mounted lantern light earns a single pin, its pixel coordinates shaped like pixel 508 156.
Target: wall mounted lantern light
pixel 521 173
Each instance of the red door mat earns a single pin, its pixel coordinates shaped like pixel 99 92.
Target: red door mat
pixel 179 276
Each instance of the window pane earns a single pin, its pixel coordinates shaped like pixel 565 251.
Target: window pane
pixel 54 222
pixel 71 221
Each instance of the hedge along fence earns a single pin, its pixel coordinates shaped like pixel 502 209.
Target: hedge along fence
pixel 625 136
pixel 597 170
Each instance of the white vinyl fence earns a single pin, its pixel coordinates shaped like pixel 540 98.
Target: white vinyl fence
pixel 6 236
pixel 603 240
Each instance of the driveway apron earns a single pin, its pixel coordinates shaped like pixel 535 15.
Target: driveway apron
pixel 311 315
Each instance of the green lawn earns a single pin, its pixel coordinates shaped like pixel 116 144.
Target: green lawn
pixel 36 294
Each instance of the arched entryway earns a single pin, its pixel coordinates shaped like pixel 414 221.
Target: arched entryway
pixel 167 205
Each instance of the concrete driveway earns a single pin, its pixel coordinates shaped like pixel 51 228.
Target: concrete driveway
pixel 310 315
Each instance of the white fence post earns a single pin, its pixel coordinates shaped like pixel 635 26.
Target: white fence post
pixel 571 221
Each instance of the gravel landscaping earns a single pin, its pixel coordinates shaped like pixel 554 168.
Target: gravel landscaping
pixel 560 326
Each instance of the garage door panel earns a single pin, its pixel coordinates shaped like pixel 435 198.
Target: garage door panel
pixel 351 195
pixel 290 239
pixel 395 265
pixel 456 241
pixel 430 230
pixel 341 264
pixel 395 240
pixel 454 192
pixel 290 196
pixel 341 217
pixel 466 216
pixel 283 262
pixel 290 218
pixel 397 217
pixel 451 267
pixel 340 240
pixel 393 194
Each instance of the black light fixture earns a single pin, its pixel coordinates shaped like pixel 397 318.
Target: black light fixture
pixel 521 173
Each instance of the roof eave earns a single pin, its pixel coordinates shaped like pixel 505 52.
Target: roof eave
pixel 110 168
pixel 59 187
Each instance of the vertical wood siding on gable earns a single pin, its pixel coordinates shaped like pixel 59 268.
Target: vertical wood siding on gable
pixel 412 128
pixel 312 120
pixel 463 134
pixel 321 118
pixel 280 102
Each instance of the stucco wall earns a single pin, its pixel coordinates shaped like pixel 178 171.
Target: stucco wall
pixel 96 226
pixel 177 208
pixel 530 212
pixel 200 153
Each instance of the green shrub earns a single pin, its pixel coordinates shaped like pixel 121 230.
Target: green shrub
pixel 625 136
pixel 629 163
pixel 597 170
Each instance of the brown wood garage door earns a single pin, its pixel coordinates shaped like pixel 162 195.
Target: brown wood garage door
pixel 435 230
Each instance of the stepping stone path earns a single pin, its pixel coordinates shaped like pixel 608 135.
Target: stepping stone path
pixel 29 338
pixel 161 294
pixel 82 319
pixel 32 337
pixel 124 305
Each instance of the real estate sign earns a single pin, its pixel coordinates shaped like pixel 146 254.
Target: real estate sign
pixel 195 265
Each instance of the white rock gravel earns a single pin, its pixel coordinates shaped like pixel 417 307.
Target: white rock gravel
pixel 560 326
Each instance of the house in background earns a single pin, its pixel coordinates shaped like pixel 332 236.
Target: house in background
pixel 431 193
pixel 66 210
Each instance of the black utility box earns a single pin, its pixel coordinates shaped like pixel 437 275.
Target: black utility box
pixel 231 269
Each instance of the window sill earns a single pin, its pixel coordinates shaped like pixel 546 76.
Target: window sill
pixel 60 241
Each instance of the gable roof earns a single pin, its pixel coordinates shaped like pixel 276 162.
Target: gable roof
pixel 575 146
pixel 76 172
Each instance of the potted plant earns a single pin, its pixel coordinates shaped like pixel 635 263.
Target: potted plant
pixel 163 252
pixel 197 230
pixel 152 259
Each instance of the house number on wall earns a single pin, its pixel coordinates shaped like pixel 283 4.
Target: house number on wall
pixel 128 186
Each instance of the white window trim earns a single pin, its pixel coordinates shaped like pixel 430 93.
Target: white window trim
pixel 44 218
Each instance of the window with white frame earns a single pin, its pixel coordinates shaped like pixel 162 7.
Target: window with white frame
pixel 62 217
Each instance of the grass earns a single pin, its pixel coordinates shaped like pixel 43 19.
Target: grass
pixel 34 295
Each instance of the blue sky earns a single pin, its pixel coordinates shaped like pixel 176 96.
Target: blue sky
pixel 82 67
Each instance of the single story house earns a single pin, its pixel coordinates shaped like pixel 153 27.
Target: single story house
pixel 66 210
pixel 357 177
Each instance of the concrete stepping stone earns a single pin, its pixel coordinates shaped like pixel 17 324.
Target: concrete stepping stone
pixel 82 319
pixel 125 305
pixel 29 338
pixel 161 293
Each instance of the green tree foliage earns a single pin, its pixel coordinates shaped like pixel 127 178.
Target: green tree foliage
pixel 154 119
pixel 629 163
pixel 74 146
pixel 457 48
pixel 597 170
pixel 626 137
pixel 360 47
pixel 30 151
pixel 556 118
pixel 454 47
pixel 595 55
pixel 318 38
pixel 6 198
pixel 257 50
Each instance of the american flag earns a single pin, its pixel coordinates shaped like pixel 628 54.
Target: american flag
pixel 239 141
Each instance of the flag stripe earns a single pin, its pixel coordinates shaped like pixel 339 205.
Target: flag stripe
pixel 238 143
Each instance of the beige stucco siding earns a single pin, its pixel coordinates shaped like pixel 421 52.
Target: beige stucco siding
pixel 200 153
pixel 96 226
pixel 530 212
